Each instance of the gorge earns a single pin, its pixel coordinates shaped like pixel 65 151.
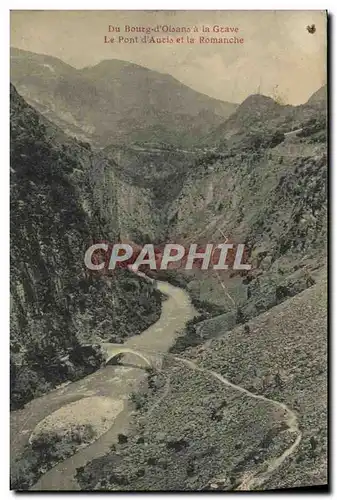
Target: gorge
pixel 93 158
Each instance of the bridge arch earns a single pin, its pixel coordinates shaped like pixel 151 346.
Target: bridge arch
pixel 118 352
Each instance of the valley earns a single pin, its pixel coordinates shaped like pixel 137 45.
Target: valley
pixel 236 398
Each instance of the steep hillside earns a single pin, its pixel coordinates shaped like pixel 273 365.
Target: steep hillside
pixel 252 114
pixel 264 186
pixel 115 101
pixel 62 198
pixel 248 412
pixel 268 191
pixel 148 178
pixel 51 86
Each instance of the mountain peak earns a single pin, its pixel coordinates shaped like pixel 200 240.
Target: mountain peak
pixel 319 97
pixel 258 100
pixel 115 65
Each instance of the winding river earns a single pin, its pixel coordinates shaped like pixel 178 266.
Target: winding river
pixel 115 382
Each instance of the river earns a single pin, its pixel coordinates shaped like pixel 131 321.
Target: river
pixel 112 381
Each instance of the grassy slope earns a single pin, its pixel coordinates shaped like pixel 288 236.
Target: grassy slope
pixel 289 340
pixel 115 101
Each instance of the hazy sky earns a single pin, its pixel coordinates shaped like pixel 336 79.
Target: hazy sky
pixel 278 57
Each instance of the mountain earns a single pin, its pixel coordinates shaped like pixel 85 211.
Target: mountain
pixel 256 374
pixel 319 98
pixel 265 186
pixel 115 101
pixel 266 189
pixel 63 197
pixel 253 111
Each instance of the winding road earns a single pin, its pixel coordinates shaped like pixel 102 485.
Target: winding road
pixel 254 481
pixel 117 382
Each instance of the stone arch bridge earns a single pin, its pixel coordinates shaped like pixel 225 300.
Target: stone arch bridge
pixel 143 357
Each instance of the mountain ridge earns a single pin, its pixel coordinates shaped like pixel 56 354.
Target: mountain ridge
pixel 136 104
pixel 258 110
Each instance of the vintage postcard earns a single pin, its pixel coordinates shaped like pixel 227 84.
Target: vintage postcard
pixel 168 185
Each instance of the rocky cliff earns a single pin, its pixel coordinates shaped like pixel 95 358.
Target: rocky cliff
pixel 268 190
